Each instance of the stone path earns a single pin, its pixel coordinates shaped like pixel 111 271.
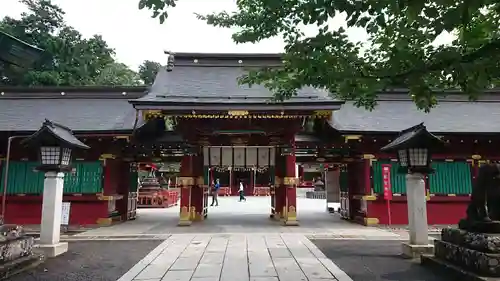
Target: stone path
pixel 238 242
pixel 232 216
pixel 241 257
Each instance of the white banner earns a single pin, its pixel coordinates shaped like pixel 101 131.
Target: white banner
pixel 239 157
pixel 227 156
pixel 206 160
pixel 251 156
pixel 263 156
pixel 215 157
pixel 273 155
pixel 66 208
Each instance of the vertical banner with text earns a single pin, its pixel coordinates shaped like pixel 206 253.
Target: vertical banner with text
pixel 386 180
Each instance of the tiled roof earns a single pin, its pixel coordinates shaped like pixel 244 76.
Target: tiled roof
pixel 80 111
pixel 451 115
pixel 210 79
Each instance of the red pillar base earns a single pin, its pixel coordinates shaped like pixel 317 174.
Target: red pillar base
pixel 290 212
pixel 185 215
pixel 290 183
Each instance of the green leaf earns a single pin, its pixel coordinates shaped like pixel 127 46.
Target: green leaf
pixel 401 52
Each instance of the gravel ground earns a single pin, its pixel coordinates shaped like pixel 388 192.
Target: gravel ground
pixel 91 261
pixel 372 260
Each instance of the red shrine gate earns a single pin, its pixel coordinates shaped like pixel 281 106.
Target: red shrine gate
pixel 252 165
pixel 196 178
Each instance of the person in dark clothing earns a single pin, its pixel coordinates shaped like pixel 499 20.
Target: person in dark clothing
pixel 215 193
pixel 242 192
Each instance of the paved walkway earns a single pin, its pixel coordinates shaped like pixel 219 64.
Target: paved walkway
pixel 236 257
pixel 232 216
pixel 239 242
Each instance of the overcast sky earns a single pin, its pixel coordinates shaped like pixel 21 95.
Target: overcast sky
pixel 137 37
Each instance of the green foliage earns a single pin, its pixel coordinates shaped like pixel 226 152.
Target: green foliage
pixel 148 70
pixel 69 59
pixel 400 51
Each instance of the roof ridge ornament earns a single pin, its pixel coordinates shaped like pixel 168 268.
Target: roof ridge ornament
pixel 170 61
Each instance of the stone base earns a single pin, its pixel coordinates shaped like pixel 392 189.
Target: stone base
pixel 55 250
pixel 184 223
pixel 291 223
pixel 481 263
pixel 483 242
pixel 415 251
pixel 480 226
pixel 475 256
pixel 452 271
pixel 19 265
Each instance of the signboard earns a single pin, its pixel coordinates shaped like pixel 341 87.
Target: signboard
pixel 386 180
pixel 66 207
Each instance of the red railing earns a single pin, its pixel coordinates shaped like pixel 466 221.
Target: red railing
pixel 157 199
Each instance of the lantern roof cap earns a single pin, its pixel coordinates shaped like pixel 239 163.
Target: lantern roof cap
pixel 414 137
pixel 56 131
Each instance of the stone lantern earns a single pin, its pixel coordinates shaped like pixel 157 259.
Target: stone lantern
pixel 414 147
pixel 55 144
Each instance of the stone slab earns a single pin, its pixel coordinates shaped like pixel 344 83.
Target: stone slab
pixel 415 251
pixel 18 265
pixel 189 263
pixel 178 275
pixel 51 251
pixel 208 270
pixel 454 272
pixel 153 271
pixel 484 264
pixel 18 247
pixel 484 242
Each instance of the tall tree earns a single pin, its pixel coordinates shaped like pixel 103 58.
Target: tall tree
pixel 117 74
pixel 148 70
pixel 69 59
pixel 400 50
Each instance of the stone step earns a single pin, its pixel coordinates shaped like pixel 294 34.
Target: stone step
pixel 19 265
pixel 484 264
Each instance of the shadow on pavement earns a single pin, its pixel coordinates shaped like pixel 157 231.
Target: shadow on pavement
pixel 372 260
pixel 91 261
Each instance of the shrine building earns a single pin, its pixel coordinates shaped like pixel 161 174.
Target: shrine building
pixel 198 118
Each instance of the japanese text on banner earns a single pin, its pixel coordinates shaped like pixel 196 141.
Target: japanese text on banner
pixel 386 178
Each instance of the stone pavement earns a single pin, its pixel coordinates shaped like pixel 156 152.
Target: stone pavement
pixel 236 257
pixel 232 216
pixel 238 242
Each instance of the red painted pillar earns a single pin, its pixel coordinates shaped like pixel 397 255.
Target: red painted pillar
pixel 367 176
pixel 185 181
pixel 279 194
pixel 301 173
pixel 197 191
pixel 290 190
pixel 251 187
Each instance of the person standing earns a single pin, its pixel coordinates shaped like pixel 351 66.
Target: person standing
pixel 242 192
pixel 215 193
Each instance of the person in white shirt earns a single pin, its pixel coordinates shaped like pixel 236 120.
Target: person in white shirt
pixel 242 192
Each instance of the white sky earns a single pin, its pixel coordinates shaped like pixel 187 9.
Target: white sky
pixel 137 37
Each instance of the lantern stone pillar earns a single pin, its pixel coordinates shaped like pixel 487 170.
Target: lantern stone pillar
pixel 51 215
pixel 417 209
pixel 413 147
pixel 416 198
pixel 55 143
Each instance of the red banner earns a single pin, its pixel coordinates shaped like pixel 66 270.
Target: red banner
pixel 386 179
